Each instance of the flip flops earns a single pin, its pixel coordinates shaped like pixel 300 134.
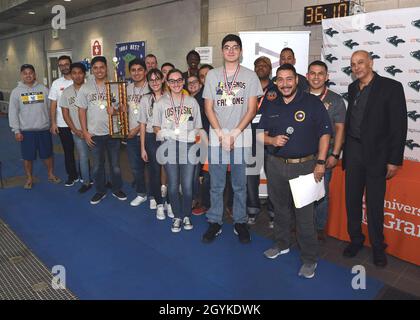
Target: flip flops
pixel 27 185
pixel 54 180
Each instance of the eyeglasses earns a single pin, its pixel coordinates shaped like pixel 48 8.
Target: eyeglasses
pixel 234 48
pixel 178 81
pixel 193 82
pixel 155 80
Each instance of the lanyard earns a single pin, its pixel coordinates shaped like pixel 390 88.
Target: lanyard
pixel 235 75
pixel 100 94
pixel 324 94
pixel 177 114
pixel 262 99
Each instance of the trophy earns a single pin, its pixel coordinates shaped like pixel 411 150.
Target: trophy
pixel 118 120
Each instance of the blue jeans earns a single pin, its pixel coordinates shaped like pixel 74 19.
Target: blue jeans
pixel 217 170
pixel 153 166
pixel 181 174
pixel 83 152
pixel 136 164
pixel 321 206
pixel 112 146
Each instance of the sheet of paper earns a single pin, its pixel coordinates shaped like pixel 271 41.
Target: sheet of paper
pixel 306 190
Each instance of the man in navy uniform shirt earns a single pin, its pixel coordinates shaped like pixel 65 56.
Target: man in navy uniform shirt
pixel 297 132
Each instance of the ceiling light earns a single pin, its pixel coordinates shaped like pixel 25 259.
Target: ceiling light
pixel 31 12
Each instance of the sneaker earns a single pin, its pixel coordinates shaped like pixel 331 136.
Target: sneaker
pixel 252 219
pixel 138 201
pixel 84 188
pixel 120 195
pixel 160 213
pixel 241 230
pixel 199 211
pixel 153 204
pixel 163 190
pixel 169 211
pixel 176 225
pixel 274 252
pixel 351 250
pixel 212 232
pixel 97 198
pixel 307 270
pixel 187 223
pixel 70 182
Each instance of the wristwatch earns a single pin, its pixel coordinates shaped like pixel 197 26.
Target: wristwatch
pixel 322 162
pixel 337 156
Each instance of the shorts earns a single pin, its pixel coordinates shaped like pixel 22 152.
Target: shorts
pixel 36 142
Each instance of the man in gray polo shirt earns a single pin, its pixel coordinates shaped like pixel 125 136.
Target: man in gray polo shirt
pixel 93 115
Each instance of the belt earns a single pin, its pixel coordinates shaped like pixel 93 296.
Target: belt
pixel 297 160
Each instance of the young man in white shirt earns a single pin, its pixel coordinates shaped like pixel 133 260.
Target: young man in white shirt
pixel 58 125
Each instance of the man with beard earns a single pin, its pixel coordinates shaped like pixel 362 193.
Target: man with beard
pixel 297 132
pixel 262 67
pixel 58 125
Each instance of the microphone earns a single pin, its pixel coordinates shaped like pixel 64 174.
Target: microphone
pixel 289 132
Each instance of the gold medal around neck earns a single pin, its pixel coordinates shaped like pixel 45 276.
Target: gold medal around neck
pixel 176 131
pixel 101 105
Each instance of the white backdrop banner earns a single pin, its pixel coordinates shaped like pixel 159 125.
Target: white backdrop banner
pixel 270 43
pixel 393 39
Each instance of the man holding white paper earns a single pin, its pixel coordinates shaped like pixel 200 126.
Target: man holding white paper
pixel 297 131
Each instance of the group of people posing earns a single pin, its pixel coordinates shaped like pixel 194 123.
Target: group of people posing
pixel 206 124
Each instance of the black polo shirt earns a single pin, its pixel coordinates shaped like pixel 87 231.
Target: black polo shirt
pixel 306 114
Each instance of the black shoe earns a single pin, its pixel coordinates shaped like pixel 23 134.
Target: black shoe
pixel 212 232
pixel 351 250
pixel 70 182
pixel 84 188
pixel 120 195
pixel 241 230
pixel 97 198
pixel 379 258
pixel 252 219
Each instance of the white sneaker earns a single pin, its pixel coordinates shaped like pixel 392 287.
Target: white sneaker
pixel 163 190
pixel 138 201
pixel 153 204
pixel 176 225
pixel 160 213
pixel 169 211
pixel 187 223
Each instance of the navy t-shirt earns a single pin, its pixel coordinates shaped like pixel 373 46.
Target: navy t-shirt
pixel 305 114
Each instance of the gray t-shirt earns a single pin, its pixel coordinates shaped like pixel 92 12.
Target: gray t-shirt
pixel 336 108
pixel 188 116
pixel 93 98
pixel 231 109
pixel 134 97
pixel 147 105
pixel 68 100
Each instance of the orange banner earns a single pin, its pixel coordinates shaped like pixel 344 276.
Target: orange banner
pixel 401 207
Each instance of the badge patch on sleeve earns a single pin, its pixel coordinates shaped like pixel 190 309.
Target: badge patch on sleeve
pixel 32 97
pixel 299 116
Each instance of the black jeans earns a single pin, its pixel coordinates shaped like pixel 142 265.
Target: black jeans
pixel 357 180
pixel 67 142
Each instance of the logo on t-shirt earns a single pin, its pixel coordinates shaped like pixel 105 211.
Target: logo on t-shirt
pixel 300 116
pixel 32 97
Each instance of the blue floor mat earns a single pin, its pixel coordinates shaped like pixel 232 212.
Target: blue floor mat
pixel 114 251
